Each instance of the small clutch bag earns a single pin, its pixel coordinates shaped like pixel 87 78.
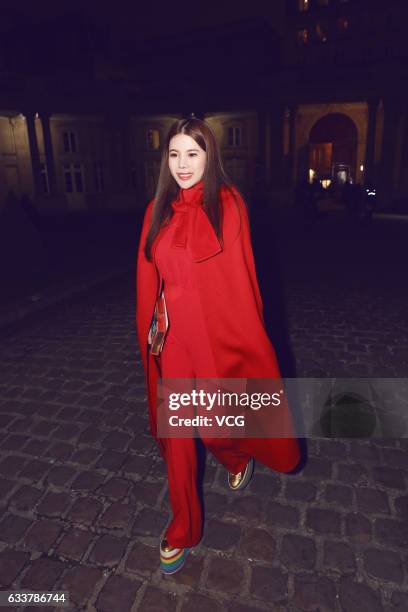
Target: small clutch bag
pixel 159 326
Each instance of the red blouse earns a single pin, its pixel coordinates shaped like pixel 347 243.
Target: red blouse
pixel 174 260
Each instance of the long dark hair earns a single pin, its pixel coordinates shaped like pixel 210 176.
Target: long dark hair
pixel 214 177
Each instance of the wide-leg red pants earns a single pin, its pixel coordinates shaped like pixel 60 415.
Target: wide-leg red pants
pixel 189 356
pixel 178 360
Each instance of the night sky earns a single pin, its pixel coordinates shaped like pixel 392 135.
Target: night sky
pixel 130 19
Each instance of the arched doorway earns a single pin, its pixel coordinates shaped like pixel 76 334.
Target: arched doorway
pixel 333 149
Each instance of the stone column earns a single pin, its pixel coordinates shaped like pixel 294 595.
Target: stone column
pixel 370 142
pixel 385 175
pixel 126 152
pixel 260 178
pixel 114 154
pixel 292 144
pixel 276 145
pixel 49 153
pixel 34 152
pixel 268 150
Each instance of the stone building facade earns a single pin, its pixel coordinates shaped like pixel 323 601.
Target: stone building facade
pixel 316 91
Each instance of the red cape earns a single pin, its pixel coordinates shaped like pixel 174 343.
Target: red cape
pixel 232 306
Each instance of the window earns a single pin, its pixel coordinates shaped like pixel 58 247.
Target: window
pixel 321 32
pixel 234 136
pixel 303 5
pixel 152 139
pixel 44 178
pixel 70 142
pixel 98 177
pixel 303 37
pixel 73 178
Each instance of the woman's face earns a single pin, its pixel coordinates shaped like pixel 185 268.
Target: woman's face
pixel 186 160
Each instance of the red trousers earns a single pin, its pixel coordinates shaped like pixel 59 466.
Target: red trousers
pixel 181 454
pixel 181 359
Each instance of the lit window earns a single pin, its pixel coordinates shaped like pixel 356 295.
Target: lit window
pixel 343 24
pixel 152 139
pixel 234 136
pixel 73 178
pixel 303 5
pixel 321 32
pixel 44 178
pixel 70 142
pixel 303 37
pixel 98 177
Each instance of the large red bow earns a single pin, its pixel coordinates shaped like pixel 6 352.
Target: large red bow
pixel 204 242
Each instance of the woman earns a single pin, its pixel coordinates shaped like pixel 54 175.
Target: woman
pixel 196 240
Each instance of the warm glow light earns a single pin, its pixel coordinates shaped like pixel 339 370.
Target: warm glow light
pixel 312 174
pixel 36 115
pixel 303 36
pixel 362 168
pixel 325 183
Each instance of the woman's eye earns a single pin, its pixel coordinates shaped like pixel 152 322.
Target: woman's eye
pixel 190 155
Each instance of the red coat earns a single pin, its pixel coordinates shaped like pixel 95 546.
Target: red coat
pixel 231 302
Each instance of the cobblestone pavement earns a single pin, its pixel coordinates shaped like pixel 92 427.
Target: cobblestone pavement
pixel 83 494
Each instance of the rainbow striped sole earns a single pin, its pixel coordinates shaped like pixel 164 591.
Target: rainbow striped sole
pixel 171 562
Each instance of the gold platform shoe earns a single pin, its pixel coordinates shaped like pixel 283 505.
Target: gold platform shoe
pixel 237 482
